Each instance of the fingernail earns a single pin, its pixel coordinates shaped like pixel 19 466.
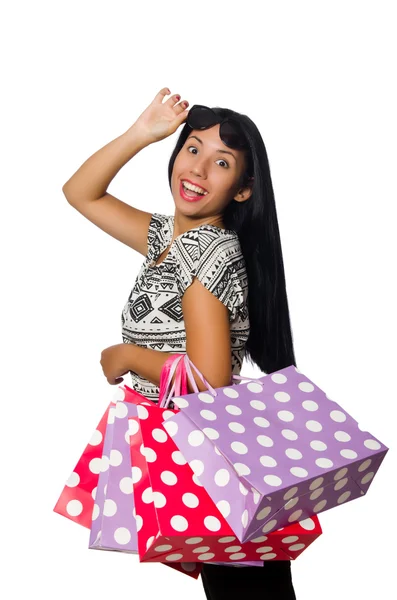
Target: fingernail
pixel 178 98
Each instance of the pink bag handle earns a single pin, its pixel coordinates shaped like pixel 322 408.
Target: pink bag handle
pixel 172 364
pixel 185 363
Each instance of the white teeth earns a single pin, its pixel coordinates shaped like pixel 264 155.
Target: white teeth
pixel 194 188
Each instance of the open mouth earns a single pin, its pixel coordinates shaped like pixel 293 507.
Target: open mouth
pixel 191 192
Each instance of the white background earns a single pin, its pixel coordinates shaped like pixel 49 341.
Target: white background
pixel 318 79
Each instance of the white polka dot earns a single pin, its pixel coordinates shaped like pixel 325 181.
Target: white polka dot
pixel 319 506
pixel 147 495
pixel 194 540
pixel 212 523
pixel 295 516
pixel 171 427
pixel 180 402
pixel 265 512
pixel 232 549
pixel 341 473
pixel 278 378
pixel 196 438
pixel 74 479
pixel 314 426
pixel 343 497
pixel 126 485
pixel 291 503
pixel 342 436
pixel 269 526
pixel 168 414
pixel 307 524
pixel 285 415
pixel 254 387
pixel 324 463
pixel 264 549
pixel 293 454
pixel 95 465
pixel 111 414
pixel 289 434
pixel 121 410
pixel 74 508
pixel 93 493
pixel 206 397
pixel 104 463
pixel 116 458
pixel 242 489
pixel 317 493
pixel 305 386
pixel 242 469
pixel 222 477
pixel 190 500
pixel 110 508
pixel 178 458
pixel 230 392
pixel 122 536
pixel 364 465
pixel 257 496
pixel 136 474
pixel 133 426
pixel 233 410
pixel 119 395
pixel 159 435
pixel 268 461
pixel 142 412
pixel 95 512
pixel 208 556
pixel 244 518
pixel 139 522
pixel 159 499
pixel 236 427
pixel 212 434
pixel 239 448
pixel 224 508
pixel 316 483
pixel 197 467
pixel 196 480
pixel 272 480
pixel 261 422
pixel 208 415
pixel 96 438
pixel 338 416
pixel 200 549
pixel 265 440
pixel 237 556
pixel 163 548
pixel 282 397
pixel 188 567
pixel 258 405
pixel 226 540
pixel 290 539
pixel 290 493
pixel 259 539
pixel 149 454
pixel 299 472
pixel 150 542
pixel 367 478
pixel 268 556
pixel 179 523
pixel 372 444
pixel 168 478
pixel 346 453
pixel 340 484
pixel 173 557
pixel 318 445
pixel 310 405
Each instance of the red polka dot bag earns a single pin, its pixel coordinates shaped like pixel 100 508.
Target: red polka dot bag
pixel 273 451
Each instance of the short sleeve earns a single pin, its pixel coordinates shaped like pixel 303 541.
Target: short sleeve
pixel 218 263
pixel 158 229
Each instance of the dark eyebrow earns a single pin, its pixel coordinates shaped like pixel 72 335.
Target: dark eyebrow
pixel 222 151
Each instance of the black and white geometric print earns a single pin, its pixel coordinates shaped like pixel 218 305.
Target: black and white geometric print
pixel 152 316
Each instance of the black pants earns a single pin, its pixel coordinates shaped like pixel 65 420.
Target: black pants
pixel 273 581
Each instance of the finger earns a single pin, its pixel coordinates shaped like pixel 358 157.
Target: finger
pixel 161 95
pixel 181 118
pixel 173 100
pixel 178 108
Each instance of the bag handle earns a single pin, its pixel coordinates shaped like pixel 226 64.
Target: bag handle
pixel 179 387
pixel 185 365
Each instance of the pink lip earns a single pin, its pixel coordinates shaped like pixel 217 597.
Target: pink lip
pixel 188 198
pixel 194 183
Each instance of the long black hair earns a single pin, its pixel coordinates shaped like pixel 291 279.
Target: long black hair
pixel 270 344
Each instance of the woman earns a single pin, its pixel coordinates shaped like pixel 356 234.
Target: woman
pixel 212 284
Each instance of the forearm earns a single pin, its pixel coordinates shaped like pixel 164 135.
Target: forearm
pixel 92 179
pixel 148 364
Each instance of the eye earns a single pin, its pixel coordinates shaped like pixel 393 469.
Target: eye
pixel 221 159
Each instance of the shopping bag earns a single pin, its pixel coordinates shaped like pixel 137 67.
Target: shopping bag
pixel 295 452
pixel 176 519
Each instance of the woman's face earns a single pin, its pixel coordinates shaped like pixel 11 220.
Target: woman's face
pixel 208 163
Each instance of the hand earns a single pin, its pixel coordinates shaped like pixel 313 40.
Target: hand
pixel 159 120
pixel 114 361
